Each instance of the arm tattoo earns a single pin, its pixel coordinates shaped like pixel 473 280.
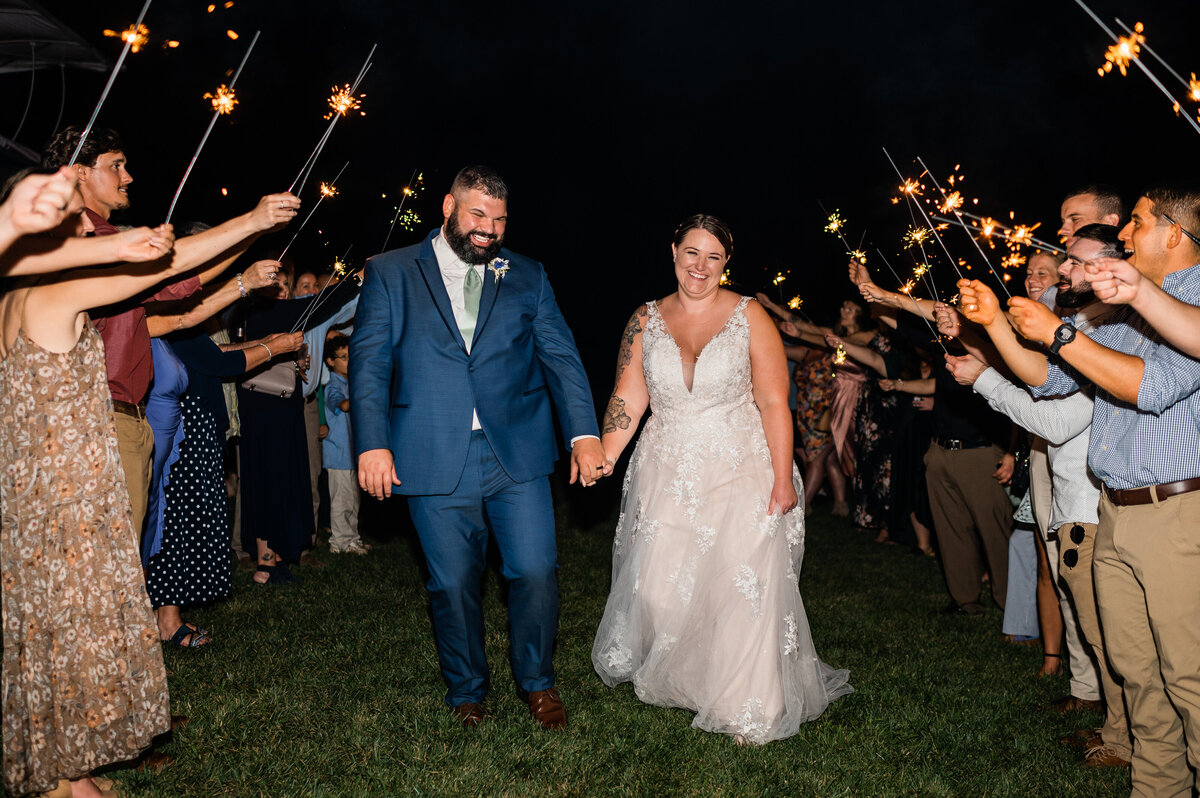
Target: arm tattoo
pixel 632 329
pixel 615 417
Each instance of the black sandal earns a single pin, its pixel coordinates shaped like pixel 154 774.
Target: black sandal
pixel 199 637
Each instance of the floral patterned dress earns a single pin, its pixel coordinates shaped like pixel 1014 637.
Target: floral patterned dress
pixel 814 396
pixel 875 425
pixel 84 684
pixel 704 611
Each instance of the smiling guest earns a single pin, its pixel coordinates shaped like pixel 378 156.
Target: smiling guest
pixel 104 182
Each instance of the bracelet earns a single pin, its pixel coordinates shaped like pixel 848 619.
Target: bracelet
pixel 242 289
pixel 270 354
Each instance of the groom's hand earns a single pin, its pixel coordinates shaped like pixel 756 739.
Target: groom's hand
pixel 587 461
pixel 377 473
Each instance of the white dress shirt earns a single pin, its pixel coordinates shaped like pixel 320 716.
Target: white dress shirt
pixel 454 274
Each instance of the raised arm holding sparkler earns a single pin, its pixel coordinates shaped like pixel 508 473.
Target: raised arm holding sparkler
pixel 1117 282
pixel 980 305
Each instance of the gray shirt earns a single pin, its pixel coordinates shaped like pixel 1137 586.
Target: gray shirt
pixel 1065 422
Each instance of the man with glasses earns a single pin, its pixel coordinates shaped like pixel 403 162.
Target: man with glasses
pixel 1145 448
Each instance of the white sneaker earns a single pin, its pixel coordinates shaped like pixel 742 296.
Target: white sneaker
pixel 352 548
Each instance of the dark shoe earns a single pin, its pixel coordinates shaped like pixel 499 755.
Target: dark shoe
pixel 1069 704
pixel 471 714
pixel 1103 756
pixel 277 575
pixel 188 636
pixel 954 608
pixel 547 708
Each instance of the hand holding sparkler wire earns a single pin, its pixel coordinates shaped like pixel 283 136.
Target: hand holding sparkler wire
pixel 1115 282
pixel 39 202
pixel 948 321
pixel 978 303
pixel 273 212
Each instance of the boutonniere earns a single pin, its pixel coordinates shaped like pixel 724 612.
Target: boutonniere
pixel 498 268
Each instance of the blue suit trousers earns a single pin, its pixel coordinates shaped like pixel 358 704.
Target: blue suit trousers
pixel 454 532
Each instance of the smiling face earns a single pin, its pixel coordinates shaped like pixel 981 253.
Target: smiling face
pixel 306 284
pixel 1146 238
pixel 105 185
pixel 475 225
pixel 1074 290
pixel 699 262
pixel 1040 274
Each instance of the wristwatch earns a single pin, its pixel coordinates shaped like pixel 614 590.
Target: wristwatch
pixel 1064 335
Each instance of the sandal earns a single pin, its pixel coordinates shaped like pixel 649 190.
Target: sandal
pixel 199 637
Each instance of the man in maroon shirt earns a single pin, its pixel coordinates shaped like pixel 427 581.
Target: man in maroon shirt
pixel 104 182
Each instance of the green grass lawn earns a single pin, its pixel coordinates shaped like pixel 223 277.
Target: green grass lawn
pixel 331 688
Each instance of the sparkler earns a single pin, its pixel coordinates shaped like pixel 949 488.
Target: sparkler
pixel 1192 86
pixel 839 355
pixel 794 303
pixel 327 190
pixel 907 289
pixel 1136 37
pixel 136 35
pixel 415 184
pixel 223 101
pixel 341 103
pixel 1125 50
pixel 913 203
pixel 966 229
pixel 726 278
pixel 129 41
pixel 340 267
pixel 836 224
pixel 988 227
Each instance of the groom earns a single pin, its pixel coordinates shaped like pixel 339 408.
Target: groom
pixel 458 350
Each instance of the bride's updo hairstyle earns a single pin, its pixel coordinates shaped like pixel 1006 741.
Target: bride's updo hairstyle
pixel 709 224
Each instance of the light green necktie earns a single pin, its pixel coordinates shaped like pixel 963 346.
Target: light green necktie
pixel 472 290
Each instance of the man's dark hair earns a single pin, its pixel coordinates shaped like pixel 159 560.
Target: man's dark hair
pixel 336 343
pixel 1180 201
pixel 60 149
pixel 1108 199
pixel 483 178
pixel 1106 234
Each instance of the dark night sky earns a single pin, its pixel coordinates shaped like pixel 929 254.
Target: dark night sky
pixel 612 121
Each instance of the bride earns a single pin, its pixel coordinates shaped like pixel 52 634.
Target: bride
pixel 705 610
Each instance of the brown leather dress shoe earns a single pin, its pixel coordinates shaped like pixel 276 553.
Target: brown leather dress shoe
pixel 471 714
pixel 1103 756
pixel 1072 704
pixel 547 708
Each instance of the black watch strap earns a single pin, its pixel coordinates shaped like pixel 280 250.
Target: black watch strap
pixel 1064 335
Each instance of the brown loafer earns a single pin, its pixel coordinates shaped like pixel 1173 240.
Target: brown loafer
pixel 547 708
pixel 471 714
pixel 1070 704
pixel 1103 756
pixel 1082 738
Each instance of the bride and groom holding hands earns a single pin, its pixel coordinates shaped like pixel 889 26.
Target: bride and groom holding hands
pixel 458 357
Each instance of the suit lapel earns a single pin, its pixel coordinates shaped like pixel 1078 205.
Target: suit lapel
pixel 437 290
pixel 491 288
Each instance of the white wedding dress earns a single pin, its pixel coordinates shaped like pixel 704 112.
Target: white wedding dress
pixel 705 610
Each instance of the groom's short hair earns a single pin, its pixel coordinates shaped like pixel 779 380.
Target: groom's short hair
pixel 483 178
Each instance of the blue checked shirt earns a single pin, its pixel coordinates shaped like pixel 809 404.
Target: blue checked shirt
pixel 1157 441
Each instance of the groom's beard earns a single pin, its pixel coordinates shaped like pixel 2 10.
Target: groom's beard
pixel 466 249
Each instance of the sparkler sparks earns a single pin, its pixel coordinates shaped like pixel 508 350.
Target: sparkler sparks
pixel 858 255
pixel 726 278
pixel 794 303
pixel 223 99
pixel 1013 260
pixel 839 355
pixel 1123 52
pixel 835 224
pixel 1194 88
pixel 778 278
pixel 916 237
pixel 136 36
pixel 328 190
pixel 953 201
pixel 921 270
pixel 343 100
pixel 1022 235
pixel 908 287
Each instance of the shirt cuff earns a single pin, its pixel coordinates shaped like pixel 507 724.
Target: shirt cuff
pixel 581 437
pixel 987 383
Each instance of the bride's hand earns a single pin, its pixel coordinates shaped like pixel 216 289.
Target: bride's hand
pixel 783 498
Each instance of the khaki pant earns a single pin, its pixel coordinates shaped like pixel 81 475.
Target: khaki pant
pixel 136 440
pixel 1147 574
pixel 1085 680
pixel 1078 578
pixel 343 508
pixel 972 518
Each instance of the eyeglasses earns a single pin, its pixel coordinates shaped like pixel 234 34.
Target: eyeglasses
pixel 1186 232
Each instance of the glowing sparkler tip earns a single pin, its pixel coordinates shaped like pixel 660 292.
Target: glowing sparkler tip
pixel 1124 51
pixel 138 36
pixel 328 190
pixel 908 287
pixel 916 236
pixel 835 223
pixel 726 279
pixel 839 355
pixel 223 99
pixel 858 255
pixel 779 278
pixel 794 303
pixel 342 101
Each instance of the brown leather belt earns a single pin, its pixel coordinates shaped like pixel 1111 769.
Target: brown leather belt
pixel 1128 496
pixel 138 411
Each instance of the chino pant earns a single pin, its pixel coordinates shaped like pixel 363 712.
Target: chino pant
pixel 972 518
pixel 343 508
pixel 1078 577
pixel 1085 677
pixel 454 531
pixel 136 441
pixel 1147 572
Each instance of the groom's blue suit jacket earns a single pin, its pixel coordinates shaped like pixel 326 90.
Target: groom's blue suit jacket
pixel 413 385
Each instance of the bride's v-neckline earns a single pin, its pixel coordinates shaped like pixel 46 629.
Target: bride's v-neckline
pixel 679 350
